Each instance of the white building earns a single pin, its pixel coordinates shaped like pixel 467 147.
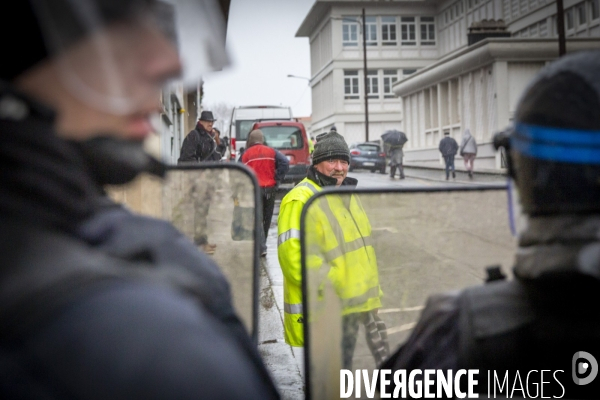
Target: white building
pixel 422 75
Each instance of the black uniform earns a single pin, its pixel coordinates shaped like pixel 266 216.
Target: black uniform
pixel 537 321
pixel 100 303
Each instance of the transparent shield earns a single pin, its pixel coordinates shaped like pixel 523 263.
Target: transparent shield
pixel 372 259
pixel 214 206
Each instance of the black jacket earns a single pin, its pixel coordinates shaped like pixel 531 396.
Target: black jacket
pixel 448 146
pixel 97 302
pixel 198 146
pixel 538 321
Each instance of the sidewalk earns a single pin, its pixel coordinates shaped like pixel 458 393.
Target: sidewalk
pixel 439 174
pixel 285 363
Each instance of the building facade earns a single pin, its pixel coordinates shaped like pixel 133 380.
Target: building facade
pixel 398 44
pixel 422 76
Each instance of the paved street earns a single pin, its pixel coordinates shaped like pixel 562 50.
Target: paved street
pixel 424 243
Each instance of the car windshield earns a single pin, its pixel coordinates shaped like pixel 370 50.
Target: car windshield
pixel 242 128
pixel 283 137
pixel 368 147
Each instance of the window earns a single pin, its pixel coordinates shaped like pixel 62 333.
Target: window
pixel 390 76
pixel 350 29
pixel 581 14
pixel 283 137
pixel 408 29
pixel 427 31
pixel 569 23
pixel 351 84
pixel 406 72
pixel 543 29
pixel 368 147
pixel 533 30
pixel 371 31
pixel 388 31
pixel 372 84
pixel 595 7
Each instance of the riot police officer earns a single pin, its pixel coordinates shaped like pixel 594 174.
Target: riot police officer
pixel 548 315
pixel 98 302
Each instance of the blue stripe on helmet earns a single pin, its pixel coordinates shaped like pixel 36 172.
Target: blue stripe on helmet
pixel 557 144
pixel 572 137
pixel 559 153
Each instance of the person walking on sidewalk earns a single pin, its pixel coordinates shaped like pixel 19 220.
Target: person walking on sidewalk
pixel 270 167
pixel 200 146
pixel 468 151
pixel 339 243
pixel 448 147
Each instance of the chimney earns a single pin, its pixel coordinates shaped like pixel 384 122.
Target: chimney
pixel 487 28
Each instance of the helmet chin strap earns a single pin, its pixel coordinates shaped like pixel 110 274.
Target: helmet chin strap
pixel 115 161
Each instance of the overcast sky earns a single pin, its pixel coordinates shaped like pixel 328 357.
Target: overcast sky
pixel 264 50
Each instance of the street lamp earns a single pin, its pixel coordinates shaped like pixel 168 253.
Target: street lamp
pixel 363 25
pixel 299 77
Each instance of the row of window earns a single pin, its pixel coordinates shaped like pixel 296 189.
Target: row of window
pixel 379 82
pixel 577 16
pixel 384 31
pixel 583 12
pixel 455 10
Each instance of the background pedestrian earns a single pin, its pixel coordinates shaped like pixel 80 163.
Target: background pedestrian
pixel 448 147
pixel 468 151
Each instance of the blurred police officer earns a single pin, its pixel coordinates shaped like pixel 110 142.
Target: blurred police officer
pixel 97 302
pixel 352 262
pixel 544 318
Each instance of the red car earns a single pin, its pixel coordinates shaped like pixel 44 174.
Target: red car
pixel 289 138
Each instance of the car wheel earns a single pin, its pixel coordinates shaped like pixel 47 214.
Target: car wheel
pixel 350 169
pixel 373 171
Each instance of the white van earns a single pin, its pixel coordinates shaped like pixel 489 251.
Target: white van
pixel 244 117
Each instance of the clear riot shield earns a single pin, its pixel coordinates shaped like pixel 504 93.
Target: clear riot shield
pixel 213 204
pixel 418 242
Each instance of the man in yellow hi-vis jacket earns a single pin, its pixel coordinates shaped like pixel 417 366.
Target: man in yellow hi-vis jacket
pixel 341 230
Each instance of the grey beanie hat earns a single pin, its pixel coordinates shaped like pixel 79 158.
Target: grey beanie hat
pixel 330 145
pixel 255 137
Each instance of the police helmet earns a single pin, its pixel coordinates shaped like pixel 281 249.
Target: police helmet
pixel 553 148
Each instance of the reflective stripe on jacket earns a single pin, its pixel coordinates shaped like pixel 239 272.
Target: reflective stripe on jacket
pixel 339 243
pixel 261 159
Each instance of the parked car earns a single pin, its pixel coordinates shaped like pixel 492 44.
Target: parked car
pixel 367 155
pixel 289 137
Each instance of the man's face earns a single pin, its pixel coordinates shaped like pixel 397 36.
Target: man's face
pixel 112 92
pixel 207 125
pixel 334 168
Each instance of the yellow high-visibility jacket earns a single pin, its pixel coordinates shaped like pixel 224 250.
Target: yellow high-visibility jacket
pixel 311 146
pixel 342 234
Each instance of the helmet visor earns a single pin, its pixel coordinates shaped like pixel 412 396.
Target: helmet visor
pixel 115 54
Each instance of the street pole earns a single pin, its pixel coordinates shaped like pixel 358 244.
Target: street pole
pixel 560 26
pixel 364 37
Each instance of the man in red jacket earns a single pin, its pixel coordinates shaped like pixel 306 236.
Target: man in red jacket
pixel 270 167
